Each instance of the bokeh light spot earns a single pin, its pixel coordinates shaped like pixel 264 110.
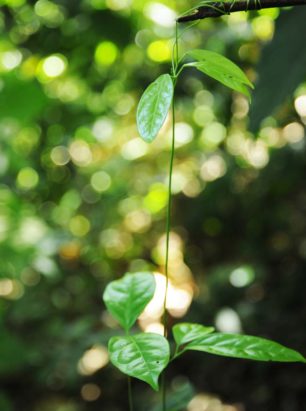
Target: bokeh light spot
pixel 213 168
pixel 178 302
pixel 80 153
pixel 242 276
pixel 118 4
pixel 157 198
pixel 212 135
pixel 27 178
pixel 100 181
pixel 11 59
pixel 14 3
pixel 294 132
pixel 160 14
pixel 106 53
pixel 79 225
pixel 49 12
pixel 90 392
pixel 54 66
pixel 60 155
pixel 228 321
pixel 300 105
pixel 263 27
pixel 93 359
pixel 134 149
pixel 159 51
pixel 183 134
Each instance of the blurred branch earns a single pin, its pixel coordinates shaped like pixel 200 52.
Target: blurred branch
pixel 219 8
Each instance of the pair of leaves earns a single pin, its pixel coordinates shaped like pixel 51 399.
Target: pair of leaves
pixel 144 355
pixel 196 337
pixel 155 102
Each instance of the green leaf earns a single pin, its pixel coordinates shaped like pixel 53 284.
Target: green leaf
pixel 183 333
pixel 178 398
pixel 126 298
pixel 143 356
pixel 221 69
pixel 153 107
pixel 244 346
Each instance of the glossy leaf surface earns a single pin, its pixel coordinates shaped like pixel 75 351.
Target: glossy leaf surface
pixel 244 346
pixel 126 298
pixel 186 332
pixel 221 69
pixel 153 107
pixel 143 356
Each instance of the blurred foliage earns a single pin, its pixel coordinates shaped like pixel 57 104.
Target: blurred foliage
pixel 82 200
pixel 278 78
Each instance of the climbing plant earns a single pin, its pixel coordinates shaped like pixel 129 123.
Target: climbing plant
pixel 145 356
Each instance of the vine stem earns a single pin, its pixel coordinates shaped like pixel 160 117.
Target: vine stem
pixel 131 407
pixel 175 61
pixel 219 8
pixel 168 229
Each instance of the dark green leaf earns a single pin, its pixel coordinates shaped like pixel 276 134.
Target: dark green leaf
pixel 282 66
pixel 154 106
pixel 244 346
pixel 177 399
pixel 126 298
pixel 143 356
pixel 221 69
pixel 186 332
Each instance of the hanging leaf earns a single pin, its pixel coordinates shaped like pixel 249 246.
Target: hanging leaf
pixel 143 356
pixel 221 69
pixel 153 107
pixel 244 346
pixel 126 298
pixel 186 332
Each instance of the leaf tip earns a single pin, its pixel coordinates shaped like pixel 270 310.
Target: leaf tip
pixel 155 385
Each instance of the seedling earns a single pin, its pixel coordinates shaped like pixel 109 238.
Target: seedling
pixel 146 355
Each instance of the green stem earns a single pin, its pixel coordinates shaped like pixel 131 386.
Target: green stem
pixel 163 390
pixel 131 407
pixel 168 218
pixel 168 229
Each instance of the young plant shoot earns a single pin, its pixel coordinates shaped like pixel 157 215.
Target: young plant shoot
pixel 145 355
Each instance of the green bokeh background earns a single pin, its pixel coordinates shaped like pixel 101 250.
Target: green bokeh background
pixel 83 200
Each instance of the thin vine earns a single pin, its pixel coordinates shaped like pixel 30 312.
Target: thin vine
pixel 130 394
pixel 175 73
pixel 126 298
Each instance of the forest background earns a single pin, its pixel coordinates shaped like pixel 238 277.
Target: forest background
pixel 83 200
